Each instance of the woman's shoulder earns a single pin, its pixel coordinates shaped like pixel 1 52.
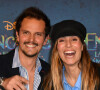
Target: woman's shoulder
pixel 97 67
pixel 96 64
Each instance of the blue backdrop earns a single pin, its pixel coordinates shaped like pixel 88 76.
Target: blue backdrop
pixel 85 11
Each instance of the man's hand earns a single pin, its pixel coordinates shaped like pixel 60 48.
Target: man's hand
pixel 15 83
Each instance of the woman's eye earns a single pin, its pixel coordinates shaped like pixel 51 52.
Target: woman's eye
pixel 74 39
pixel 61 40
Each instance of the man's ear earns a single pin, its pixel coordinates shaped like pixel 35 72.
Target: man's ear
pixel 17 36
pixel 46 39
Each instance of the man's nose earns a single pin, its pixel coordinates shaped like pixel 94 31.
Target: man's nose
pixel 32 37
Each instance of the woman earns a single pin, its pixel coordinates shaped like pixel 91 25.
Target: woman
pixel 71 66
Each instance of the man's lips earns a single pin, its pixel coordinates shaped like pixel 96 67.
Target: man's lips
pixel 30 44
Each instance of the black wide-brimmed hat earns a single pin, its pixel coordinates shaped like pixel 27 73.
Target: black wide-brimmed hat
pixel 68 28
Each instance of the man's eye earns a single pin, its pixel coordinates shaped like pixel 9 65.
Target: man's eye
pixel 39 34
pixel 25 32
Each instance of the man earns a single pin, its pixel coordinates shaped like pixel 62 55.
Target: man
pixel 22 68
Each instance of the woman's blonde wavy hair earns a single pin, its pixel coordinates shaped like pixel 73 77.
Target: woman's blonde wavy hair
pixel 89 80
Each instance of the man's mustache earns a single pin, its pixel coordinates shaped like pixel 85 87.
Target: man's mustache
pixel 31 43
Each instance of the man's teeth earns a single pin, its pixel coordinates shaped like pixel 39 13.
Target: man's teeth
pixel 31 45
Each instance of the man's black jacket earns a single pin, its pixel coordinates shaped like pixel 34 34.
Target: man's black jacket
pixel 7 71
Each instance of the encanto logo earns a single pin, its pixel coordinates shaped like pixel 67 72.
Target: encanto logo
pixel 6 41
pixel 93 45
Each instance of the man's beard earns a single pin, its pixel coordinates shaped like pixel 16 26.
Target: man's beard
pixel 33 55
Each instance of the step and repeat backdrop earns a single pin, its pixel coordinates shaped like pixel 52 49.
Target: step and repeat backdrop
pixel 85 11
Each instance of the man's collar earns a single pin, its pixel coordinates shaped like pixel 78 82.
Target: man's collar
pixel 16 61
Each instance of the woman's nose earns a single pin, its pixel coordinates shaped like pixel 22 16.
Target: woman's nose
pixel 68 43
